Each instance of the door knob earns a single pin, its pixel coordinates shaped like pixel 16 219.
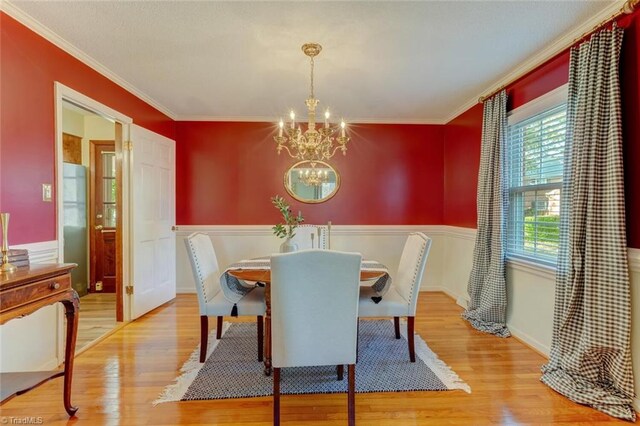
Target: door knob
pixel 98 227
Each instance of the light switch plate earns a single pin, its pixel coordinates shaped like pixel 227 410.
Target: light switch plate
pixel 46 192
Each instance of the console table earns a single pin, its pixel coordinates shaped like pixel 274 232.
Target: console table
pixel 25 291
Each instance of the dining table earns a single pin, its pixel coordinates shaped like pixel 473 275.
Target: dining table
pixel 263 275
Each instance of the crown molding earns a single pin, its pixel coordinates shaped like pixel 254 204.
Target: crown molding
pixel 562 43
pixel 51 36
pixel 272 119
pixel 529 65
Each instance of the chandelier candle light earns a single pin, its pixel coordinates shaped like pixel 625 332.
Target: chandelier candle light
pixel 313 177
pixel 313 144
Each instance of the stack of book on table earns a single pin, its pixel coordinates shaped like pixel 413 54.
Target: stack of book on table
pixel 18 258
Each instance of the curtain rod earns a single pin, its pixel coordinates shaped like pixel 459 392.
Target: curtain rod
pixel 628 8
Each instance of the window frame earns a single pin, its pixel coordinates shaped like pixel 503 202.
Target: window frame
pixel 540 105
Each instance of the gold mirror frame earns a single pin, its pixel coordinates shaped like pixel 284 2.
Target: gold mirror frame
pixel 312 164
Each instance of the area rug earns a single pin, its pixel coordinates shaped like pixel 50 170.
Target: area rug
pixel 231 369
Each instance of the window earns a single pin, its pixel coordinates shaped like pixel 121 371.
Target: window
pixel 534 170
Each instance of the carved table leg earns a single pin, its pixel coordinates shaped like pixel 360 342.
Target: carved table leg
pixel 267 329
pixel 71 311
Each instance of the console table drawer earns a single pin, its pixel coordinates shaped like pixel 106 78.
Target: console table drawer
pixel 15 297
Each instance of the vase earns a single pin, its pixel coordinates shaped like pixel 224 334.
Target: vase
pixel 287 246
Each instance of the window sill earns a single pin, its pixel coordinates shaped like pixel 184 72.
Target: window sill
pixel 541 270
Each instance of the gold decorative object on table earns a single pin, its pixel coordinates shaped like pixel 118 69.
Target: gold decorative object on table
pixel 312 144
pixel 6 266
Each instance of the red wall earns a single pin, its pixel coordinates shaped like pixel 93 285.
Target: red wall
pixel 461 162
pixel 29 65
pixel 392 174
pixel 630 72
pixel 462 134
pixel 227 173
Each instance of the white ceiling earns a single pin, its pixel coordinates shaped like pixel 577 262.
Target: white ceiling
pixel 381 61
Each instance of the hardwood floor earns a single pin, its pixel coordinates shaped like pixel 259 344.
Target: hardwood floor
pixel 116 381
pixel 97 317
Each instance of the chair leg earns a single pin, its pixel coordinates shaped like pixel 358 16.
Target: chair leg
pixel 276 396
pixel 204 335
pixel 260 337
pixel 340 371
pixel 357 337
pixel 396 325
pixel 410 332
pixel 219 328
pixel 352 395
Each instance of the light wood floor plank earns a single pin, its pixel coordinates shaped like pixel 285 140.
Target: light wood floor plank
pixel 116 381
pixel 97 317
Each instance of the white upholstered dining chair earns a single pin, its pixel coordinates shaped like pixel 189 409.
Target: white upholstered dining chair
pixel 402 297
pixel 210 297
pixel 308 236
pixel 314 305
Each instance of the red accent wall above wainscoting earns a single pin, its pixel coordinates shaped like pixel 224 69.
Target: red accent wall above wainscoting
pixel 29 66
pixel 227 172
pixel 630 88
pixel 461 163
pixel 463 134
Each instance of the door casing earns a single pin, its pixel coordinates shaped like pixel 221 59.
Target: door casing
pixel 121 122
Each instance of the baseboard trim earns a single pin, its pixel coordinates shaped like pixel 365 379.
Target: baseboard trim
pixel 52 364
pixel 529 341
pixel 185 290
pixel 461 300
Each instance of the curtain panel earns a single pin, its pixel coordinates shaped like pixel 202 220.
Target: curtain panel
pixel 590 360
pixel 487 286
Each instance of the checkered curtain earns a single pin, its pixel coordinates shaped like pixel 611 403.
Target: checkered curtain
pixel 590 360
pixel 487 287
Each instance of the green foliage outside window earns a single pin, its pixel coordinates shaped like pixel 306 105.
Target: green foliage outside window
pixel 542 234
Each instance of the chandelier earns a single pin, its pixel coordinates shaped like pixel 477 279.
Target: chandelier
pixel 313 176
pixel 314 143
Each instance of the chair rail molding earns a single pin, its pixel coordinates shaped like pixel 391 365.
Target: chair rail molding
pixel 238 230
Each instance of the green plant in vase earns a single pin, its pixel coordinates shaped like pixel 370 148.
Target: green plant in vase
pixel 286 229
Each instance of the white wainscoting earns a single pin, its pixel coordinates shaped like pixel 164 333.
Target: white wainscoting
pixel 382 243
pixel 530 294
pixel 634 271
pixel 33 343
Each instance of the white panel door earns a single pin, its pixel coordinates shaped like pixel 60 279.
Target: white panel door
pixel 153 248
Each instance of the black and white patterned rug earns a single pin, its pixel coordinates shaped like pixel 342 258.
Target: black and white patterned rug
pixel 232 370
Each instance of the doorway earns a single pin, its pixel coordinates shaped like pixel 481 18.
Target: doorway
pixel 91 211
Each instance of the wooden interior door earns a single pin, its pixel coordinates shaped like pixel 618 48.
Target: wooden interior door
pixel 103 208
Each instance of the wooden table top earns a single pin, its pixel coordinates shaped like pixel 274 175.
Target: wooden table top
pixel 34 272
pixel 264 275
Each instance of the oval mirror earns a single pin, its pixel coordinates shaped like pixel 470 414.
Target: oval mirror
pixel 311 181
